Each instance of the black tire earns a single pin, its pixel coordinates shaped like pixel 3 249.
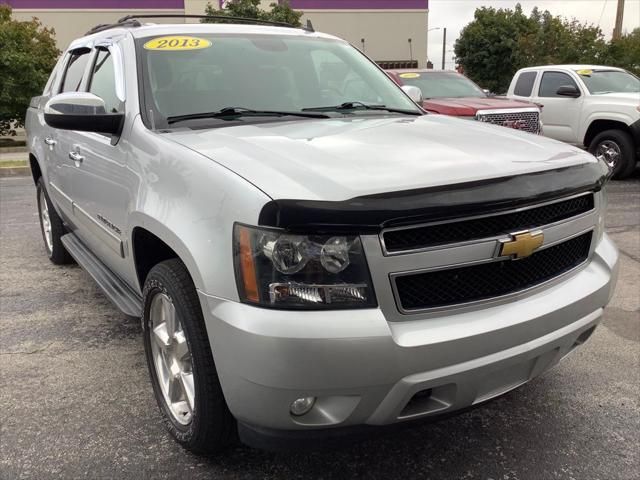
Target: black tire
pixel 623 141
pixel 56 252
pixel 211 427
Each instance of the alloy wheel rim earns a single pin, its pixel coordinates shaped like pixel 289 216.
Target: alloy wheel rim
pixel 172 359
pixel 46 222
pixel 609 152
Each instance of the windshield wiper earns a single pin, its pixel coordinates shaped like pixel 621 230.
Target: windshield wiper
pixel 235 112
pixel 355 105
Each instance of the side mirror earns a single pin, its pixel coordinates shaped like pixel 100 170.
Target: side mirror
pixel 414 93
pixel 568 91
pixel 81 111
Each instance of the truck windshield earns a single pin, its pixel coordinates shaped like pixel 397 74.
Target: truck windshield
pixel 609 81
pixel 190 74
pixel 442 85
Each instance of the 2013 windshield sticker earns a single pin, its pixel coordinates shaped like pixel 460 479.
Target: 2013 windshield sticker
pixel 409 75
pixel 176 43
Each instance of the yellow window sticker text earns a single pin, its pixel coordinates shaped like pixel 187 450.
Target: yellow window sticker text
pixel 410 75
pixel 175 43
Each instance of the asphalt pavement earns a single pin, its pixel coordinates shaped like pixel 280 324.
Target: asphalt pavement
pixel 76 401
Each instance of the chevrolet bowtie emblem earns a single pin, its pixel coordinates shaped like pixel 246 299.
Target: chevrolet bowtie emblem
pixel 521 244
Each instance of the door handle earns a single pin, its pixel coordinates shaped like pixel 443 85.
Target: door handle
pixel 50 141
pixel 76 157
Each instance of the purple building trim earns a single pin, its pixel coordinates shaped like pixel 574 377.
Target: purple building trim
pixel 179 4
pixel 102 4
pixel 359 4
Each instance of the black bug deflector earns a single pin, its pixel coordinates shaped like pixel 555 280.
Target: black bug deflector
pixel 368 214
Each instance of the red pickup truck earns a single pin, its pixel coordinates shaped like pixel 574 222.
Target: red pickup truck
pixel 451 93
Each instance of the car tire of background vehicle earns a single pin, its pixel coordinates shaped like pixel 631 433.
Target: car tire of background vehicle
pixel 200 419
pixel 620 141
pixel 51 227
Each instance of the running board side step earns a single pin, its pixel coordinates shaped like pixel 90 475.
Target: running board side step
pixel 120 294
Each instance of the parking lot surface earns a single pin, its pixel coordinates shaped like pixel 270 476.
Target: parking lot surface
pixel 76 401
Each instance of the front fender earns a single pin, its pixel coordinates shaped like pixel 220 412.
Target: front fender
pixel 191 203
pixel 596 115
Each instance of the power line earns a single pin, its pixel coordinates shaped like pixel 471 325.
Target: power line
pixel 602 12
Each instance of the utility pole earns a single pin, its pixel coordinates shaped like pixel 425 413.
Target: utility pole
pixel 444 45
pixel 617 31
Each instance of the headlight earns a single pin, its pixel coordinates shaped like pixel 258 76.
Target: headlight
pixel 284 270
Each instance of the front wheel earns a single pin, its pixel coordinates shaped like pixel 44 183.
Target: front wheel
pixel 615 147
pixel 52 227
pixel 183 373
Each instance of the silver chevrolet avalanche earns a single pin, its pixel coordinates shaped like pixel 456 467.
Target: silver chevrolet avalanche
pixel 310 253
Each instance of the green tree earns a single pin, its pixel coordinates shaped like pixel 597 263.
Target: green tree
pixel 488 48
pixel 498 42
pixel 625 52
pixel 28 53
pixel 555 40
pixel 279 12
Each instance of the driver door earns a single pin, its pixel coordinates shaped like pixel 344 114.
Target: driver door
pixel 61 171
pixel 560 114
pixel 100 176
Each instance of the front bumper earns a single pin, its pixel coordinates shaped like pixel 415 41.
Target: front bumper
pixel 365 370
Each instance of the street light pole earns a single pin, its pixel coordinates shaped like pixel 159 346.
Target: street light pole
pixel 428 30
pixel 444 45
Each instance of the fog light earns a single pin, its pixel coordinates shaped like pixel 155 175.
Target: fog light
pixel 302 405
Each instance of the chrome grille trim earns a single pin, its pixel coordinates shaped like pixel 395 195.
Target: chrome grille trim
pixel 474 217
pixel 487 301
pixel 529 117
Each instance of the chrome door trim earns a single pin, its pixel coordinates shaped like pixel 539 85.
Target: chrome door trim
pixel 100 231
pixel 62 198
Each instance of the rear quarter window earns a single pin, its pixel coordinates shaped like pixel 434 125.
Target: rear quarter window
pixel 524 84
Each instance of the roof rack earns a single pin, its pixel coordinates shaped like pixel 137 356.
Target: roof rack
pixel 107 26
pixel 131 21
pixel 256 21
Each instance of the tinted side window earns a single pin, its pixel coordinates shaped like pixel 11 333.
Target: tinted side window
pixel 551 81
pixel 103 82
pixel 75 69
pixel 524 84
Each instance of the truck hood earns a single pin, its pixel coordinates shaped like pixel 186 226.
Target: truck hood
pixel 342 158
pixel 468 106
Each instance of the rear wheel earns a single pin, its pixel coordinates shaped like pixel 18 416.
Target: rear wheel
pixel 52 227
pixel 615 147
pixel 183 373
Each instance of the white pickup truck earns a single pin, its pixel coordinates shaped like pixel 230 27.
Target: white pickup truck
pixel 593 106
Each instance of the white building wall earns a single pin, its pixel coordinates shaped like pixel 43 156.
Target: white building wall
pixel 386 33
pixel 71 24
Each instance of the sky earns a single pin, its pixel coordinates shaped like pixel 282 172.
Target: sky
pixel 455 14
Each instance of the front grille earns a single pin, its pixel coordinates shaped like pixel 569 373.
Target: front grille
pixel 529 121
pixel 414 238
pixel 488 280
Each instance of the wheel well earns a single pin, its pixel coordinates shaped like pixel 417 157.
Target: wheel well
pixel 598 126
pixel 36 173
pixel 148 251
